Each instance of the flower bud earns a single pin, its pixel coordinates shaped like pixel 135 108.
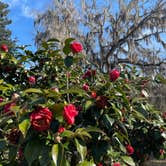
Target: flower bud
pixel 15 96
pixel 61 129
pixel 31 80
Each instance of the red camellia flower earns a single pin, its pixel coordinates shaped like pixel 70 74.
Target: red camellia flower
pixel 4 48
pixel 99 164
pixel 31 80
pixel 41 119
pixel 61 129
pixel 69 113
pixel 7 108
pixel 130 149
pixel 102 101
pixel 114 74
pixel 89 73
pixel 116 164
pixel 76 47
pixel 85 87
pixel 93 94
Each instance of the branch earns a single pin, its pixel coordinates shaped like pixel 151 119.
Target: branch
pixel 148 35
pixel 140 63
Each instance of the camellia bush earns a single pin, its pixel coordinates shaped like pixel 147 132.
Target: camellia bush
pixel 57 109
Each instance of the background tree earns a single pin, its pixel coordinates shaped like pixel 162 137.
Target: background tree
pixel 5 34
pixel 116 32
pixel 113 32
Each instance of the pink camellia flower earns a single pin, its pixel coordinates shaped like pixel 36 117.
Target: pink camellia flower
pixel 76 47
pixel 70 113
pixel 114 74
pixel 61 129
pixel 7 108
pixel 99 164
pixel 130 149
pixel 41 119
pixel 4 48
pixel 32 80
pixel 85 87
pixel 116 164
pixel 1 99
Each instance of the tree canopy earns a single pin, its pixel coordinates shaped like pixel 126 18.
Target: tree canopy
pixel 5 33
pixel 121 31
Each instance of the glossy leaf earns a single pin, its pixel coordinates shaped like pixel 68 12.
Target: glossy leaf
pixel 68 61
pixel 33 90
pixel 2 144
pixel 33 150
pixel 24 126
pixel 87 163
pixel 58 155
pixel 81 148
pixel 128 160
pixel 67 133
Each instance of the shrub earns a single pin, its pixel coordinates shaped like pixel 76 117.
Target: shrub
pixel 56 112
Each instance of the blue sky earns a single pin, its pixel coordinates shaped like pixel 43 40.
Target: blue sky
pixel 22 13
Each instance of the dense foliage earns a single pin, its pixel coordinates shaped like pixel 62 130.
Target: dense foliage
pixel 58 110
pixel 5 33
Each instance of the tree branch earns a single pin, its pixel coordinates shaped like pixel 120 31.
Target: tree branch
pixel 139 63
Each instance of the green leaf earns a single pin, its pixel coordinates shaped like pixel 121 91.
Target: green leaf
pixel 33 150
pixel 68 61
pixel 33 90
pixel 52 40
pixel 58 108
pixel 45 157
pixel 12 153
pixel 58 155
pixel 117 111
pixel 128 160
pixel 2 144
pixel 68 41
pixel 67 48
pixel 68 134
pixel 81 148
pixel 107 121
pixel 99 149
pixel 161 79
pixel 81 132
pixel 87 163
pixel 94 129
pixel 24 126
pixel 74 91
pixel 1 81
pixel 88 104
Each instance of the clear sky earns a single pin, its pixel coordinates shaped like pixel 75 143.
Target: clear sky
pixel 22 13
